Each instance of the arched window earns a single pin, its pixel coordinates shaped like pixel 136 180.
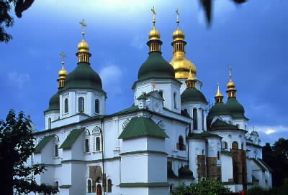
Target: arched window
pixel 195 119
pixel 87 147
pixel 174 99
pixel 56 146
pixel 109 185
pixel 81 104
pixel 49 123
pixel 180 144
pixel 99 190
pixel 98 144
pixel 235 145
pixel 66 105
pixel 218 155
pixel 97 106
pixel 89 185
pixel 224 145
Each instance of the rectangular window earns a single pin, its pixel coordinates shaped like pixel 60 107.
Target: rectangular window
pixel 98 144
pixel 56 150
pixel 87 149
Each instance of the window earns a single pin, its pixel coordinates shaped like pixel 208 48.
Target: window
pixel 87 148
pixel 98 144
pixel 66 105
pixel 180 144
pixel 97 106
pixel 49 123
pixel 174 99
pixel 242 146
pixel 235 145
pixel 56 152
pixel 224 145
pixel 89 185
pixel 109 185
pixel 80 104
pixel 218 155
pixel 195 118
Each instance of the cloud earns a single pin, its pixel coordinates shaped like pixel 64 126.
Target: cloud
pixel 18 79
pixel 111 76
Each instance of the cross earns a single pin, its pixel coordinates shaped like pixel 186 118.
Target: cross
pixel 177 14
pixel 230 72
pixel 62 57
pixel 153 15
pixel 83 26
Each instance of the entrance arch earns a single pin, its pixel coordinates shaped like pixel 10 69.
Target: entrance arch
pixel 99 190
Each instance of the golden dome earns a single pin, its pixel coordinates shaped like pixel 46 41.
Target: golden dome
pixel 230 84
pixel 182 66
pixel 178 35
pixel 83 46
pixel 62 72
pixel 154 34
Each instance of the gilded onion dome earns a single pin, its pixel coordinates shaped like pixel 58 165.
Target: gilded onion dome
pixel 155 65
pixel 180 63
pixel 62 73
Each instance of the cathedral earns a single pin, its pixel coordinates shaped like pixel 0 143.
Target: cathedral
pixel 170 136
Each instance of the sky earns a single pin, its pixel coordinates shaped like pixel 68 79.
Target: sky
pixel 252 38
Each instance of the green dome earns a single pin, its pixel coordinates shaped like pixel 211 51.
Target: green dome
pixel 83 77
pixel 54 102
pixel 235 108
pixel 219 109
pixel 156 67
pixel 193 95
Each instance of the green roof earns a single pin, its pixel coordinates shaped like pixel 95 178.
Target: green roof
pixel 203 135
pixel 43 143
pixel 217 110
pixel 83 77
pixel 235 108
pixel 156 67
pixel 193 95
pixel 54 102
pixel 71 138
pixel 142 127
pixel 222 125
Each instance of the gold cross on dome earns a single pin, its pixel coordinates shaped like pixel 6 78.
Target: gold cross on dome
pixel 230 72
pixel 62 57
pixel 177 14
pixel 153 15
pixel 83 25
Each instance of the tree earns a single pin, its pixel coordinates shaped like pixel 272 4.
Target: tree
pixel 204 187
pixel 277 158
pixel 6 20
pixel 16 146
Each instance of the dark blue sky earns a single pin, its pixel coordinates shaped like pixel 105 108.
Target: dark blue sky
pixel 252 38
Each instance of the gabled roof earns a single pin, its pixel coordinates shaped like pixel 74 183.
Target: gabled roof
pixel 43 143
pixel 71 138
pixel 142 127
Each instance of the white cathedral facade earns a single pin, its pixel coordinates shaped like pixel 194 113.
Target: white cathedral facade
pixel 169 136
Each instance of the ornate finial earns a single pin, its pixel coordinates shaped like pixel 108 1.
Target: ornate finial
pixel 83 26
pixel 218 93
pixel 62 58
pixel 153 16
pixel 177 19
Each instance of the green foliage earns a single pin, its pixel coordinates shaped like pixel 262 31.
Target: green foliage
pixel 6 20
pixel 16 146
pixel 277 158
pixel 204 187
pixel 282 190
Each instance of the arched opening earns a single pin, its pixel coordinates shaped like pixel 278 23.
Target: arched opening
pixel 66 105
pixel 81 104
pixel 180 144
pixel 99 190
pixel 195 119
pixel 97 106
pixel 218 155
pixel 224 145
pixel 109 185
pixel 98 143
pixel 87 145
pixel 174 99
pixel 202 118
pixel 49 123
pixel 235 145
pixel 89 185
